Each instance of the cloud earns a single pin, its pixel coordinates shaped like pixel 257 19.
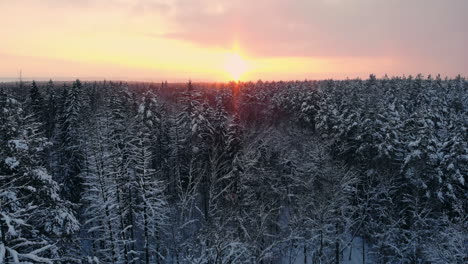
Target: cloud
pixel 138 6
pixel 304 28
pixel 325 27
pixel 422 35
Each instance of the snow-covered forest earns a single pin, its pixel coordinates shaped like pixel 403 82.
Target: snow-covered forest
pixel 351 171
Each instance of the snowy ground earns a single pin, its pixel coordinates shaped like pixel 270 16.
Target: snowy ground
pixel 351 255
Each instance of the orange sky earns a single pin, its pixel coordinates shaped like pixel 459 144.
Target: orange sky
pixel 219 40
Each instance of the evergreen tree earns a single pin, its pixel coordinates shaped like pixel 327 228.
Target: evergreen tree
pixel 70 154
pixel 35 222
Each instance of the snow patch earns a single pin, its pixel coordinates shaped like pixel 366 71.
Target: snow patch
pixel 12 162
pixel 19 144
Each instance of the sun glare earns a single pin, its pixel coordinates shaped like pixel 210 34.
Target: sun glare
pixel 235 66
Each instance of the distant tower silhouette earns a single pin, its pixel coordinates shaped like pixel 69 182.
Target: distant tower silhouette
pixel 21 78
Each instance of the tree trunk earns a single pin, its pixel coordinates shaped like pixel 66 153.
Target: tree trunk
pixel 132 224
pixel 363 252
pixel 147 256
pixel 337 246
pixel 3 231
pixel 305 254
pixel 156 234
pixel 337 252
pixel 321 243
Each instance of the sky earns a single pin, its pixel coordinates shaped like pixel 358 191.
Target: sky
pixel 220 40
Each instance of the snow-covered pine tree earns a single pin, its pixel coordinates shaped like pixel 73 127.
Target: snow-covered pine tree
pixel 101 208
pixel 70 152
pixel 122 113
pixel 151 206
pixel 36 105
pixel 35 223
pixel 51 109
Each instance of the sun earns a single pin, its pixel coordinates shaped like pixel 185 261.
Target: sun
pixel 235 66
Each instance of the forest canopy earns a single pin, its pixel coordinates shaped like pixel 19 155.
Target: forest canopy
pixel 239 172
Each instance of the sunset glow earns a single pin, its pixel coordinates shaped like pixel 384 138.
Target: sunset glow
pixel 235 66
pixel 233 131
pixel 176 40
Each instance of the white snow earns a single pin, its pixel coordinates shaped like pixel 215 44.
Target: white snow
pixel 2 252
pixel 12 162
pixel 19 144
